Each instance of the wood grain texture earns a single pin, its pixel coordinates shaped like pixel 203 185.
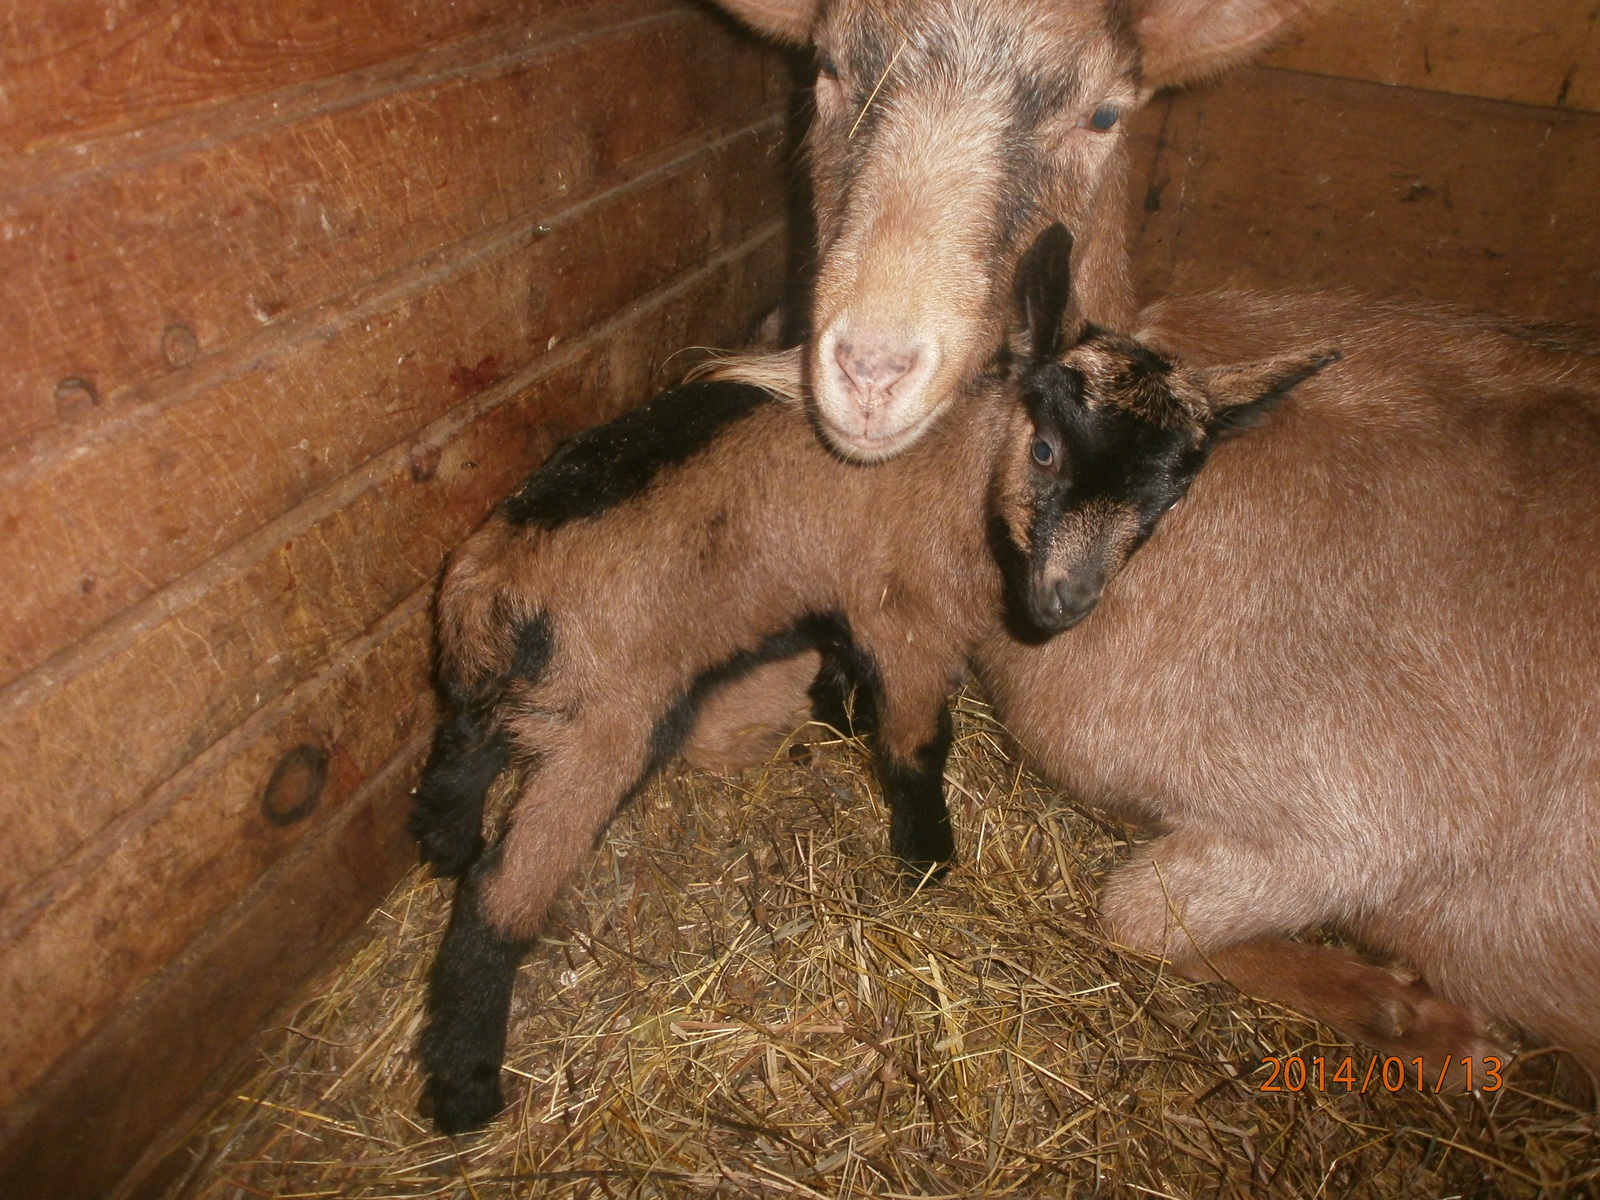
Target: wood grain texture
pixel 1543 52
pixel 129 274
pixel 79 67
pixel 117 1091
pixel 156 878
pixel 290 295
pixel 198 847
pixel 91 523
pixel 159 686
pixel 1274 178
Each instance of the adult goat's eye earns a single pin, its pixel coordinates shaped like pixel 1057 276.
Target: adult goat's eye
pixel 1043 453
pixel 1104 117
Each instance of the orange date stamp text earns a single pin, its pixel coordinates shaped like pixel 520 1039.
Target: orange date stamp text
pixel 1297 1074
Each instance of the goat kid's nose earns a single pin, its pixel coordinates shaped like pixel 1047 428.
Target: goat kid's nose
pixel 872 367
pixel 1077 594
pixel 1069 600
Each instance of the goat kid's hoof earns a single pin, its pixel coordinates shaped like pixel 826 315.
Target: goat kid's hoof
pixel 919 852
pixel 463 1106
pixel 917 872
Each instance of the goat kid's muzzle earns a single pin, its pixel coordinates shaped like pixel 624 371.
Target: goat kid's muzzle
pixel 1057 601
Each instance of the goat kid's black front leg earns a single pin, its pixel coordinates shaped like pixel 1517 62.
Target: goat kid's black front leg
pixel 901 694
pixel 469 1001
pixel 919 820
pixel 909 686
pixel 447 810
pixel 841 698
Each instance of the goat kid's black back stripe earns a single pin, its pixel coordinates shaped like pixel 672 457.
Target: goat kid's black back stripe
pixel 601 467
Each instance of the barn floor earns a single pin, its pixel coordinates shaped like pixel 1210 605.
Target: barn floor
pixel 743 1001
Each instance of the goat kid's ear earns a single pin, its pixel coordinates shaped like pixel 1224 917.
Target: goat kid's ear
pixel 1240 394
pixel 1044 289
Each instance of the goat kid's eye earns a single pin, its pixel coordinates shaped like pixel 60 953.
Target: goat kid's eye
pixel 826 66
pixel 1043 453
pixel 1104 117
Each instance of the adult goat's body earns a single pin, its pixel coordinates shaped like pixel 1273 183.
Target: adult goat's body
pixel 1354 681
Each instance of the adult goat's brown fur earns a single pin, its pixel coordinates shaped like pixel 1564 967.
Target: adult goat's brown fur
pixel 1354 681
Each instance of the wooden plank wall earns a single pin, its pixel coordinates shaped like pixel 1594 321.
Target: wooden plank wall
pixel 1442 148
pixel 289 295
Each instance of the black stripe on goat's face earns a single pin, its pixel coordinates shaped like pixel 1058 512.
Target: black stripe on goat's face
pixel 1115 435
pixel 947 134
pixel 1110 447
pixel 601 467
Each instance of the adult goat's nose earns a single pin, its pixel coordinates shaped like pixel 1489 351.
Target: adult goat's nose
pixel 872 367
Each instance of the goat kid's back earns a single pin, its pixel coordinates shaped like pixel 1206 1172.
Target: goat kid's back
pixel 1353 679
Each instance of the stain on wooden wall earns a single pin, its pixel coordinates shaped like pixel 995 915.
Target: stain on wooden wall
pixel 289 296
pixel 1449 150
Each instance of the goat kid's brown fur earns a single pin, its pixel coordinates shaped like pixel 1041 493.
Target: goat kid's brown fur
pixel 1354 681
pixel 758 530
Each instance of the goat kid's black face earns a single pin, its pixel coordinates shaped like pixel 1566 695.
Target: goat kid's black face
pixel 1093 482
pixel 1115 435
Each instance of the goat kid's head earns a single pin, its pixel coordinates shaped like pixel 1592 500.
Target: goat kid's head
pixel 947 134
pixel 1115 435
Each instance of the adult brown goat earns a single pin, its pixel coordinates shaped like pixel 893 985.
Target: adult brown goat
pixel 652 561
pixel 947 134
pixel 1354 679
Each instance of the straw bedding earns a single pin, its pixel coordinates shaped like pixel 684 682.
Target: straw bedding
pixel 741 998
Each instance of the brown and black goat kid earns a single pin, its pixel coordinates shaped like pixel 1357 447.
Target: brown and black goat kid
pixel 1353 680
pixel 653 560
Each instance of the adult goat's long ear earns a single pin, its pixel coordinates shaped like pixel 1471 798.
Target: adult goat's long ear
pixel 1044 289
pixel 788 21
pixel 1184 40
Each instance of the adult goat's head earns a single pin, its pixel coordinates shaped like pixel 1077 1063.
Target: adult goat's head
pixel 947 135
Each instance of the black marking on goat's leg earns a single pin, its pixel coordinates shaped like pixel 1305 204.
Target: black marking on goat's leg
pixel 830 694
pixel 469 751
pixel 469 1002
pixel 919 820
pixel 823 631
pixel 842 695
pixel 447 810
pixel 531 656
